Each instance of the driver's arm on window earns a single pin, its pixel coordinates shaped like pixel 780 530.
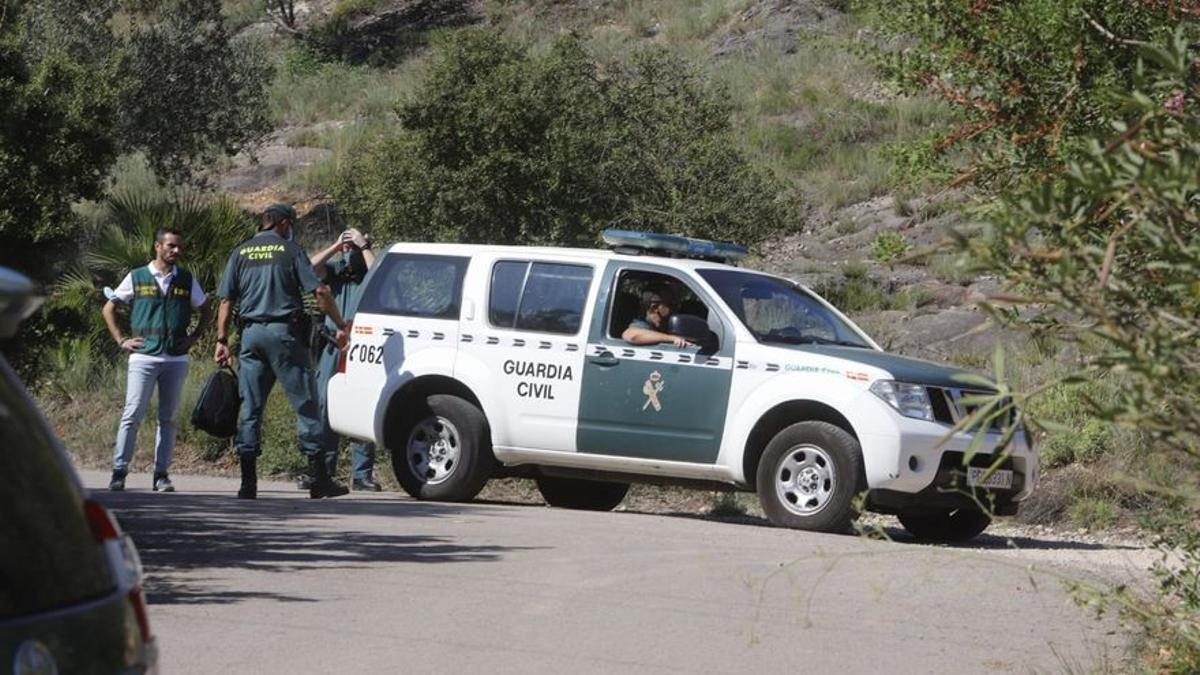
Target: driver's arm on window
pixel 636 335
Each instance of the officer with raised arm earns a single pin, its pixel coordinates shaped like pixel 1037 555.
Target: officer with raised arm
pixel 342 266
pixel 267 276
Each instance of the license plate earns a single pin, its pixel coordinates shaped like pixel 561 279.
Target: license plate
pixel 978 476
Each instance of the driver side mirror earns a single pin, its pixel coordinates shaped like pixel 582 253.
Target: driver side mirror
pixel 694 329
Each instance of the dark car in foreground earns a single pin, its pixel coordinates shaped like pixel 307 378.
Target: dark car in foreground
pixel 70 580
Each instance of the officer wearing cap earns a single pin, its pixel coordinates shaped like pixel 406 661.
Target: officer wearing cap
pixel 267 276
pixel 343 265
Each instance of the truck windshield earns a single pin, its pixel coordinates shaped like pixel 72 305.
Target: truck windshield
pixel 779 311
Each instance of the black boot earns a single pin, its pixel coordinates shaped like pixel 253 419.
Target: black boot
pixel 249 489
pixel 322 484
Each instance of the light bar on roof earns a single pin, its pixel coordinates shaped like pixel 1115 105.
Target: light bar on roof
pixel 673 246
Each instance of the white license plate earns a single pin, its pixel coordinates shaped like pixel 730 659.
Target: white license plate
pixel 978 476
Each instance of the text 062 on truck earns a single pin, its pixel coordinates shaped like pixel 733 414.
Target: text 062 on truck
pixel 470 362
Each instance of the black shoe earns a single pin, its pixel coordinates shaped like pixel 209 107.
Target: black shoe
pixel 304 482
pixel 322 485
pixel 162 483
pixel 367 484
pixel 117 484
pixel 249 489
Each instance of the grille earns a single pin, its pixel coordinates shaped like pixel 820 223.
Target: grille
pixel 949 406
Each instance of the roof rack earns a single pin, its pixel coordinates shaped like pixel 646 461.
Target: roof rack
pixel 630 242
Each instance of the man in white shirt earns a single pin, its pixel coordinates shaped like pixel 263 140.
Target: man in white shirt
pixel 163 297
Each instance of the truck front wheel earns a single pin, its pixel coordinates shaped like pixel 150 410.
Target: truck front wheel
pixel 808 476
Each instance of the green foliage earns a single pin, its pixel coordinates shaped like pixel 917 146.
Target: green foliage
pixel 347 8
pixel 206 95
pixel 1093 513
pixel 1076 435
pixel 81 83
pixel 121 238
pixel 56 116
pixel 1107 256
pixel 889 246
pixel 281 454
pixel 1031 78
pixel 505 144
pixel 1115 245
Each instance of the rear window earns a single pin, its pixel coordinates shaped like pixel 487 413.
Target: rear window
pixel 426 286
pixel 539 296
pixel 48 558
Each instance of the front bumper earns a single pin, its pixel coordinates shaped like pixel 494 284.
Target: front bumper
pixel 909 456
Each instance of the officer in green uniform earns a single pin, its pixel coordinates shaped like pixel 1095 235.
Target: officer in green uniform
pixel 266 277
pixel 343 265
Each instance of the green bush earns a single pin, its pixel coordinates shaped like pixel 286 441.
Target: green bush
pixel 887 247
pixel 506 144
pixel 1093 513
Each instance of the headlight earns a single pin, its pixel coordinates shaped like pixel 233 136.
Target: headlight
pixel 910 400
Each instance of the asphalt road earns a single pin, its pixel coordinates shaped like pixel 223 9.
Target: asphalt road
pixel 367 583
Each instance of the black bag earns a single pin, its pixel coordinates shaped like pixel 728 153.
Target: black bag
pixel 217 408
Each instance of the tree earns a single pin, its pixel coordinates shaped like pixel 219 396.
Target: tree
pixel 1032 78
pixel 56 120
pixel 505 144
pixel 188 90
pixel 78 88
pixel 1107 256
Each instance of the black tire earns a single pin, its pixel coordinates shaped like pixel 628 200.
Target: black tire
pixel 577 493
pixel 946 526
pixel 808 476
pixel 466 458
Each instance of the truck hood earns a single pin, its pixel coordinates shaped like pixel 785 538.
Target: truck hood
pixel 902 368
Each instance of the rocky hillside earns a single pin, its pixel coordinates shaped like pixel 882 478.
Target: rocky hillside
pixel 854 229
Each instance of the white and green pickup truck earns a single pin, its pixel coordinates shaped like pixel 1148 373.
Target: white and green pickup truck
pixel 472 361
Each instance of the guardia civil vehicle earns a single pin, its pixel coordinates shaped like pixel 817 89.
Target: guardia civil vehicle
pixel 471 361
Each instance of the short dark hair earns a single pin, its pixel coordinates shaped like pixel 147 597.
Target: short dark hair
pixel 656 296
pixel 161 233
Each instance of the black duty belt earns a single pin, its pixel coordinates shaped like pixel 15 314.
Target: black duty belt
pixel 282 319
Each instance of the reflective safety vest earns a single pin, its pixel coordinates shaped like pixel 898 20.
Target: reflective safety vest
pixel 161 320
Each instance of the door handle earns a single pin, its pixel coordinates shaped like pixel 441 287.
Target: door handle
pixel 604 359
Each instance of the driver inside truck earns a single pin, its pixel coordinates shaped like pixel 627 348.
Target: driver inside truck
pixel 650 328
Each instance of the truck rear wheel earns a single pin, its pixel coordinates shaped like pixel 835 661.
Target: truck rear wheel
pixel 945 526
pixel 447 453
pixel 808 476
pixel 577 493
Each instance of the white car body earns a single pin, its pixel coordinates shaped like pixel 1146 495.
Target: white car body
pixel 530 384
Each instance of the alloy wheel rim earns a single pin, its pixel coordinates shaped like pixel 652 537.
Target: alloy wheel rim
pixel 434 450
pixel 805 479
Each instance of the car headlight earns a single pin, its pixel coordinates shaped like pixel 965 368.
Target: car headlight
pixel 910 400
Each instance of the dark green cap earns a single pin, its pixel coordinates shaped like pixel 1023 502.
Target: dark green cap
pixel 281 209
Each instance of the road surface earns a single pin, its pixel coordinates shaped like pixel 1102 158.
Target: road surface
pixel 369 583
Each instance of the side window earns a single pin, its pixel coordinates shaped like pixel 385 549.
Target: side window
pixel 537 296
pixel 508 278
pixel 427 286
pixel 635 287
pixel 554 297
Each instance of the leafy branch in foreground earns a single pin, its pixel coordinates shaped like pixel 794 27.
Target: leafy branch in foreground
pixel 1031 78
pixel 1107 257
